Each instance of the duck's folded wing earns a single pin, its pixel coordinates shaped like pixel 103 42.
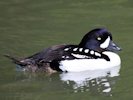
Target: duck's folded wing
pixel 45 56
pixel 49 54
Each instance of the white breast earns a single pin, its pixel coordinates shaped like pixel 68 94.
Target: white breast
pixel 78 65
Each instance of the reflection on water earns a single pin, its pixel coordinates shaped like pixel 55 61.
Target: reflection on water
pixel 95 82
pixel 98 81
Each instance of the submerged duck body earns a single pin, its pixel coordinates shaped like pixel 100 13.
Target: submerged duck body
pixel 95 51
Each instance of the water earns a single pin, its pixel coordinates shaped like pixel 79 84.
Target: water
pixel 27 26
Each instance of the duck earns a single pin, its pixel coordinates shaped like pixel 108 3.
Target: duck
pixel 95 51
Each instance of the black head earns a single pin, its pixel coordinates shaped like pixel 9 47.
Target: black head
pixel 99 40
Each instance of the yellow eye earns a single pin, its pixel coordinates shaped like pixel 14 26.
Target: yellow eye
pixel 98 38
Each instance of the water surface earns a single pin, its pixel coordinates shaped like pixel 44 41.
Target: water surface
pixel 28 26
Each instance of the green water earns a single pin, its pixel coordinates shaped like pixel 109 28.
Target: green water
pixel 28 26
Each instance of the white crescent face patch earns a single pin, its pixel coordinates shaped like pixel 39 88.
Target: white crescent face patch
pixel 105 44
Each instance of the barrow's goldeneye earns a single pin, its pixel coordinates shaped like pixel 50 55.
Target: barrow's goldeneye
pixel 95 51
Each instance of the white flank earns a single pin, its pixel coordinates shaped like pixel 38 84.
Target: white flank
pixel 78 65
pixel 105 44
pixel 80 77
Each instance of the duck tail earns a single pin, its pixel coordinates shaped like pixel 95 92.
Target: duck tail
pixel 15 60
